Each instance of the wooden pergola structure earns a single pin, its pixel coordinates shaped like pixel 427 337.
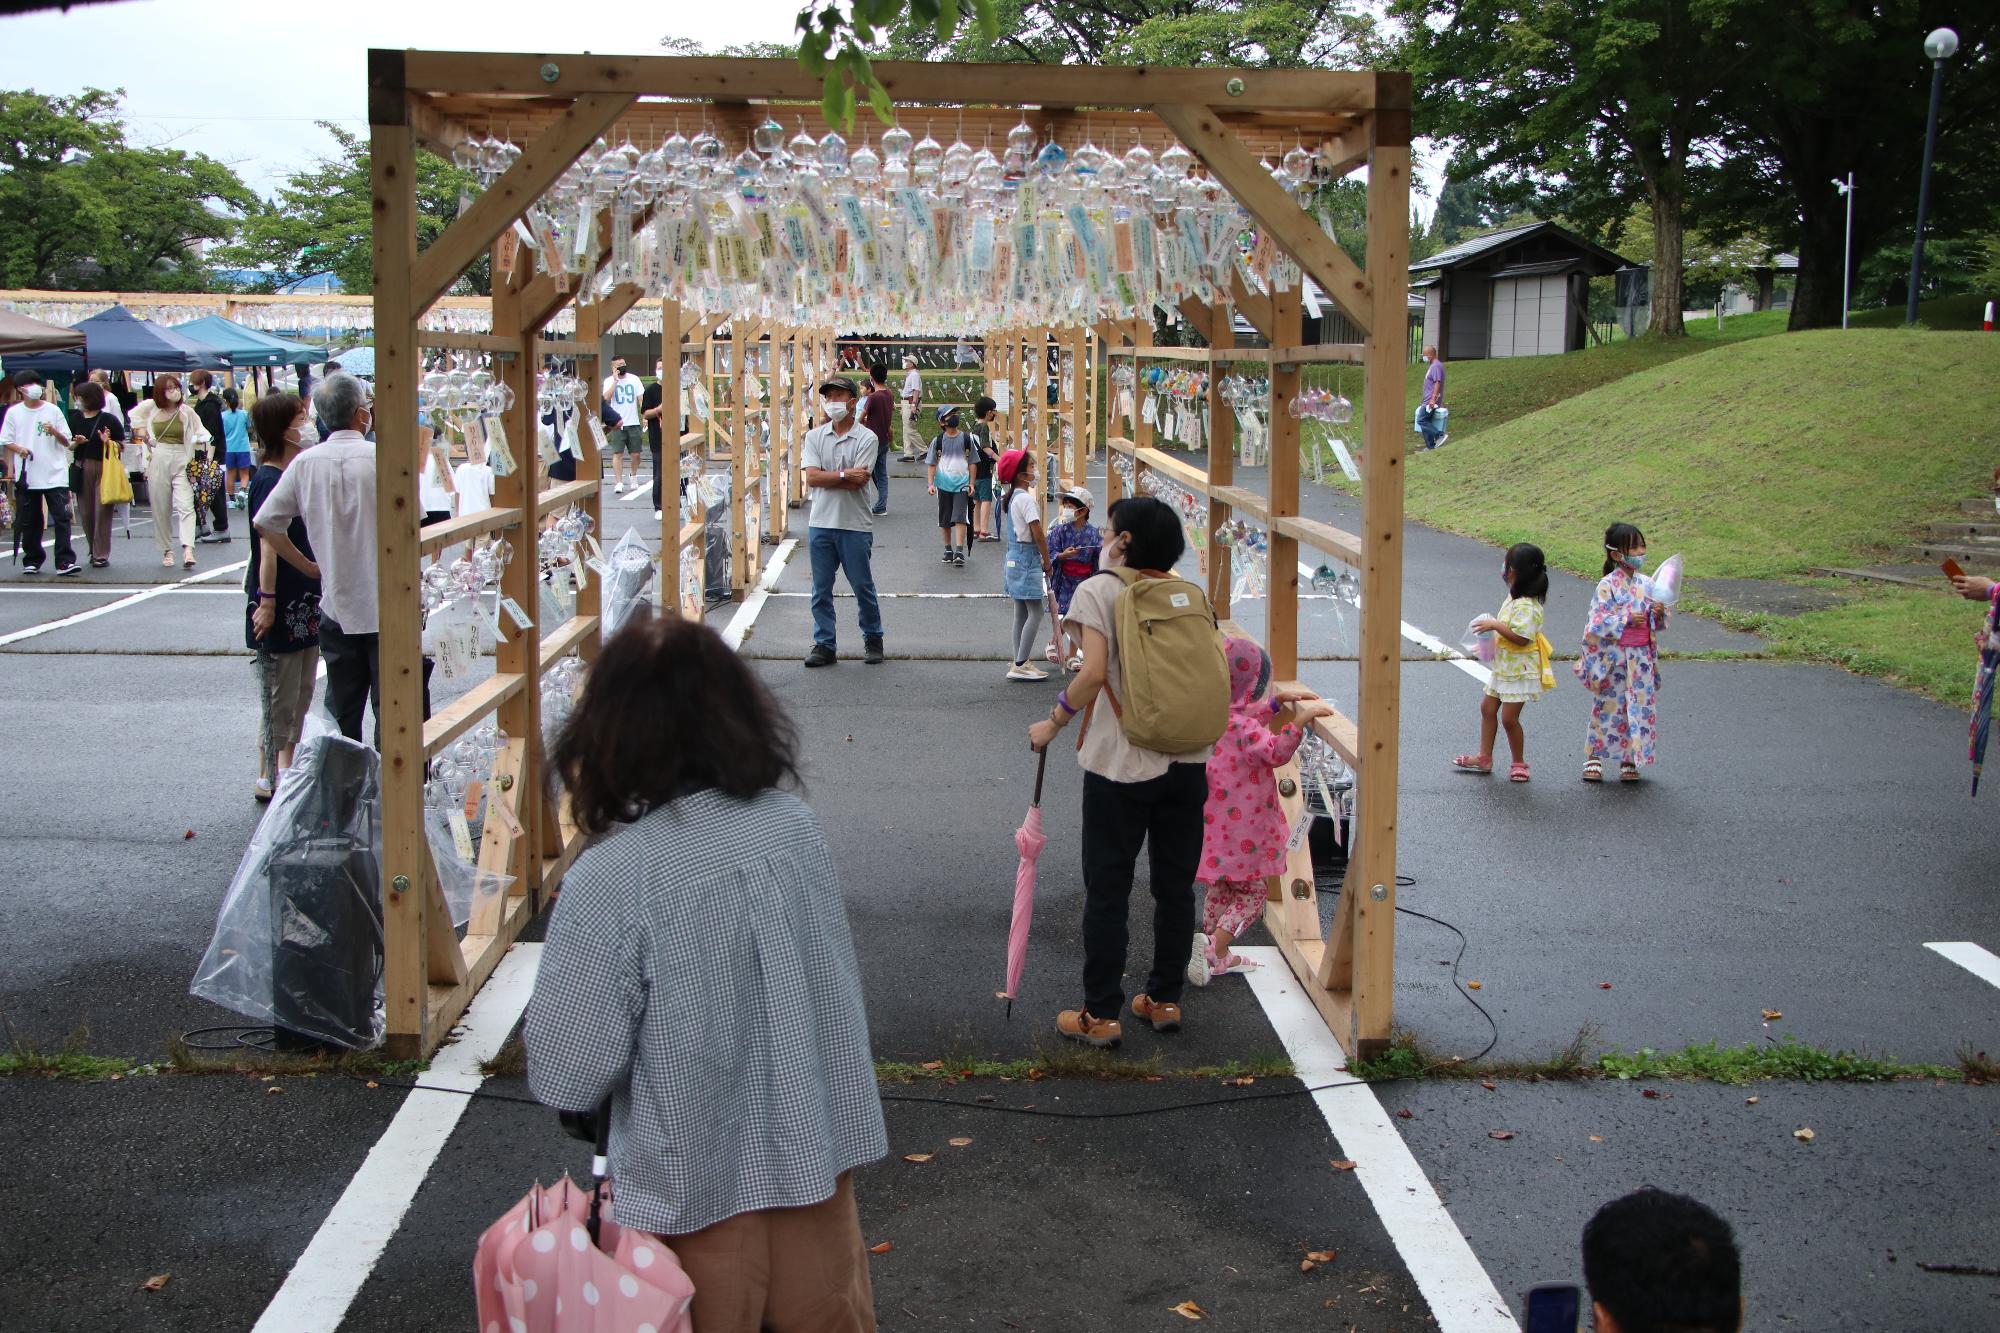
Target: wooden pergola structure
pixel 555 107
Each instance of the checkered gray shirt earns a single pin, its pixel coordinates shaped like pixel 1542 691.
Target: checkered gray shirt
pixel 699 971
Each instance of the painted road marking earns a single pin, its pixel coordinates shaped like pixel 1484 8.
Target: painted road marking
pixel 1462 1297
pixel 753 605
pixel 109 590
pixel 1429 642
pixel 324 1282
pixel 1972 958
pixel 34 631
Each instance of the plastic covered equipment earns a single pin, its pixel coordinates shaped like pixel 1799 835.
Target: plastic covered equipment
pixel 628 587
pixel 1477 643
pixel 298 943
pixel 1666 581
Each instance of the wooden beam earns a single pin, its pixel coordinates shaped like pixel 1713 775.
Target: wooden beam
pixel 1214 323
pixel 1281 626
pixel 407 872
pixel 1251 305
pixel 669 462
pixel 1296 231
pixel 1344 152
pixel 725 79
pixel 538 167
pixel 437 131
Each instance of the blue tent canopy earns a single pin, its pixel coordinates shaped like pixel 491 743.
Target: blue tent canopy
pixel 246 346
pixel 117 339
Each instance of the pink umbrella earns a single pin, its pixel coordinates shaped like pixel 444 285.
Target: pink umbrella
pixel 1029 839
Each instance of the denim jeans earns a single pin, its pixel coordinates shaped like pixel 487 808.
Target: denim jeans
pixel 840 548
pixel 882 478
pixel 1427 424
pixel 1165 814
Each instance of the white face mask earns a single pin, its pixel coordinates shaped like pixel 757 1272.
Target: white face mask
pixel 835 411
pixel 1069 513
pixel 173 395
pixel 32 392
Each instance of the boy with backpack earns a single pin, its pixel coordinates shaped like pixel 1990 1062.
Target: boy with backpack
pixel 1152 647
pixel 948 467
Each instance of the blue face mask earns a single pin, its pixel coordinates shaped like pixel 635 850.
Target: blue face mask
pixel 1637 561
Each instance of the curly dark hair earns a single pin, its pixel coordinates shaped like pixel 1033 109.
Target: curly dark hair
pixel 669 710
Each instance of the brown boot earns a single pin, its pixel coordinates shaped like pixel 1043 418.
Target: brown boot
pixel 1164 1017
pixel 1078 1025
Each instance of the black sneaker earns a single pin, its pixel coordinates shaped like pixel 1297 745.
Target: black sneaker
pixel 874 651
pixel 948 554
pixel 31 569
pixel 958 558
pixel 64 570
pixel 820 656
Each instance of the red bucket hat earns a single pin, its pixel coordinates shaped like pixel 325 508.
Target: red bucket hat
pixel 1010 463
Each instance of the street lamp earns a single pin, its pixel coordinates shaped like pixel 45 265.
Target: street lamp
pixel 1846 188
pixel 1940 46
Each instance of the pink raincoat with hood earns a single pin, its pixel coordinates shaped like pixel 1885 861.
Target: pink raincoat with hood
pixel 1245 835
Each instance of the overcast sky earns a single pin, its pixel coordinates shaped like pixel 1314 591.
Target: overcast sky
pixel 244 82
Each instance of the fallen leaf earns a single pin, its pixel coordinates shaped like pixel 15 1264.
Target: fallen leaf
pixel 1322 1256
pixel 1597 1138
pixel 1604 985
pixel 960 1142
pixel 918 1157
pixel 934 1064
pixel 1343 1164
pixel 372 1084
pixel 1653 1093
pixel 1243 1082
pixel 1189 1310
pixel 1773 1015
pixel 1036 1076
pixel 155 1282
pixel 1406 1115
pixel 1306 1265
pixel 1499 1133
pixel 1752 1101
pixel 1804 1135
pixel 187 836
pixel 883 1248
pixel 1489 1087
pixel 850 738
pixel 273 1091
pixel 1472 985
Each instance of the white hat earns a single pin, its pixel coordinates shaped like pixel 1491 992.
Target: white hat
pixel 1082 496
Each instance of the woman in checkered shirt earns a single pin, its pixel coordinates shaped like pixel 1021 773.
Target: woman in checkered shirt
pixel 700 975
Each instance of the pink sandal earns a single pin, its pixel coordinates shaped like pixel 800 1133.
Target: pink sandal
pixel 1473 763
pixel 1518 773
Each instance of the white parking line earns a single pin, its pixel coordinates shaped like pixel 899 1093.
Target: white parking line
pixel 324 1282
pixel 1972 958
pixel 94 612
pixel 1461 1296
pixel 746 614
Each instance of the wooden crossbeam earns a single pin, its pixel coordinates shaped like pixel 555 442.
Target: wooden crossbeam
pixel 1288 224
pixel 538 167
pixel 730 79
pixel 1255 306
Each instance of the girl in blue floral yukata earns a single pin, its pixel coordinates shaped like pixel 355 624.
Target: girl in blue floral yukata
pixel 1621 660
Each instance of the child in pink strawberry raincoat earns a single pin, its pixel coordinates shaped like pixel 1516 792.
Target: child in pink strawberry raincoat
pixel 1244 842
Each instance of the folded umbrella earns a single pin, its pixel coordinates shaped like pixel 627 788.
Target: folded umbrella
pixel 1028 838
pixel 1982 689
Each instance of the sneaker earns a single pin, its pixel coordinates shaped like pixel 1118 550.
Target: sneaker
pixel 1022 671
pixel 872 651
pixel 958 558
pixel 948 553
pixel 31 569
pixel 262 791
pixel 820 656
pixel 1163 1016
pixel 1444 439
pixel 1197 968
pixel 63 571
pixel 658 514
pixel 1078 1025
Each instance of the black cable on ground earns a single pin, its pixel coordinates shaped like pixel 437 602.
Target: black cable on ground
pixel 248 1037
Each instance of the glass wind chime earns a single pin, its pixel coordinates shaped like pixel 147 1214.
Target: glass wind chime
pixel 1324 408
pixel 460 396
pixel 1250 400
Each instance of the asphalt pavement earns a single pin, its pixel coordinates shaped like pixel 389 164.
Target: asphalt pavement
pixel 1805 835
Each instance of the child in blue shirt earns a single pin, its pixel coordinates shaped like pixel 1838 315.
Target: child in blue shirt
pixel 1074 543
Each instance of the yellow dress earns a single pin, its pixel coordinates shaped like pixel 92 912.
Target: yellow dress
pixel 1517 670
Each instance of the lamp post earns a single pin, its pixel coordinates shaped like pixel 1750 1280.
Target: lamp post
pixel 1846 189
pixel 1940 46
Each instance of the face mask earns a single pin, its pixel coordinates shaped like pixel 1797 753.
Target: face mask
pixel 32 392
pixel 173 395
pixel 1069 513
pixel 835 411
pixel 1637 561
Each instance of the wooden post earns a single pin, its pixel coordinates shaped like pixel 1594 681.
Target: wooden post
pixel 1371 879
pixel 406 861
pixel 1220 331
pixel 520 652
pixel 1082 407
pixel 670 456
pixel 1282 592
pixel 1141 334
pixel 590 465
pixel 742 559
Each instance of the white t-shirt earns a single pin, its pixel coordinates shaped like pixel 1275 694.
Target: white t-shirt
pixel 430 488
pixel 1022 510
pixel 623 393
pixel 48 469
pixel 475 487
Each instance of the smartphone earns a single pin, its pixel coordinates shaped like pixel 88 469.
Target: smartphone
pixel 1553 1307
pixel 1952 569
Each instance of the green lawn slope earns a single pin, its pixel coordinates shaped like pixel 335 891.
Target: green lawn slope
pixel 1762 458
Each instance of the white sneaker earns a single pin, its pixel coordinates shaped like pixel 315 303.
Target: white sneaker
pixel 622 488
pixel 1025 672
pixel 658 514
pixel 1197 968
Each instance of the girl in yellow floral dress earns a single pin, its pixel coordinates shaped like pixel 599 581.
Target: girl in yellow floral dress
pixel 1519 660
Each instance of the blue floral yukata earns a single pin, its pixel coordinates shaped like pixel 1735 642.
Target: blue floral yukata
pixel 1620 667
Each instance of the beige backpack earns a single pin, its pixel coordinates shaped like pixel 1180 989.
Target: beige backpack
pixel 1175 677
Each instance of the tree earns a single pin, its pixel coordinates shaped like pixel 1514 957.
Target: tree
pixel 1606 99
pixel 1469 205
pixel 1845 88
pixel 159 214
pixel 321 220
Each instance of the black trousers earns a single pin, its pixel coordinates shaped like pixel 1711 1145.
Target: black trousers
pixel 1165 813
pixel 354 680
pixel 29 505
pixel 656 478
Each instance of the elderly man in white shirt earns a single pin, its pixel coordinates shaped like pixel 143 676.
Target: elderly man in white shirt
pixel 332 487
pixel 36 437
pixel 913 396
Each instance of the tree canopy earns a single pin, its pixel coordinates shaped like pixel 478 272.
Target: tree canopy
pixel 82 207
